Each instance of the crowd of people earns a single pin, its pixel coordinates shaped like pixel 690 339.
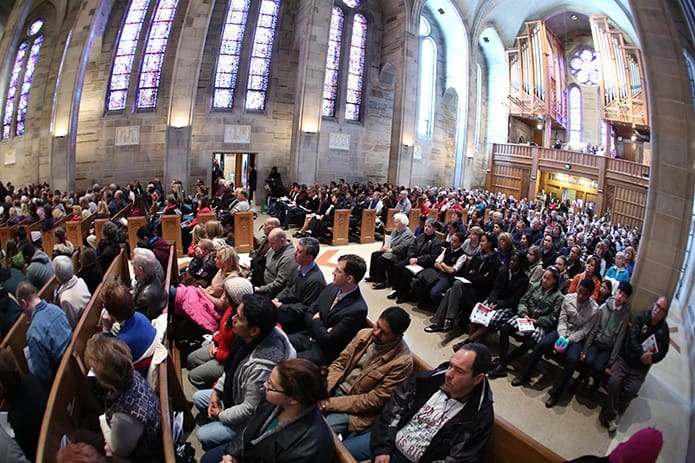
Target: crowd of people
pixel 275 349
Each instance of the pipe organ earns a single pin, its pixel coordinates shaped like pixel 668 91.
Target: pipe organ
pixel 622 88
pixel 537 79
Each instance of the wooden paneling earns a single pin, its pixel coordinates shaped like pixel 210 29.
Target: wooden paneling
pixel 509 180
pixel 628 206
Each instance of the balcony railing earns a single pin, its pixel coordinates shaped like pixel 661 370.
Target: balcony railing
pixel 619 166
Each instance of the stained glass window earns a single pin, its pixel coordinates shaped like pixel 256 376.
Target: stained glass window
pixel 259 68
pixel 330 81
pixel 125 54
pixel 575 115
pixel 26 85
pixel 352 3
pixel 153 58
pixel 358 45
pixel 23 69
pixel 584 67
pixel 12 90
pixel 230 49
pixel 428 75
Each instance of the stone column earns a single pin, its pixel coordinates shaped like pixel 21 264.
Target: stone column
pixel 184 85
pixel 313 26
pixel 89 26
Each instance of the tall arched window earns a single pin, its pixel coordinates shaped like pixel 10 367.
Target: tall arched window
pixel 428 76
pixel 259 69
pixel 24 66
pixel 354 37
pixel 260 52
pixel 152 57
pixel 575 108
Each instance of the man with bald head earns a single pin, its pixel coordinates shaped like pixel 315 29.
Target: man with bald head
pixel 257 255
pixel 279 263
pixel 646 345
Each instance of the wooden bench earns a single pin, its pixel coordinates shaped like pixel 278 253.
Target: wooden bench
pixel 449 215
pixel 508 444
pixel 367 226
pixel 243 232
pixel 77 231
pixel 48 237
pixel 433 214
pixel 388 226
pixel 99 223
pixel 9 232
pixel 71 403
pixel 414 219
pixel 204 218
pixel 134 224
pixel 171 231
pixel 341 227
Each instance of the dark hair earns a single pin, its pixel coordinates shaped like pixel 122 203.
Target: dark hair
pixel 301 379
pixel 144 232
pixel 117 300
pixel 588 283
pixel 625 287
pixel 461 236
pixel 483 357
pixel 21 233
pixel 355 266
pixel 28 251
pixel 9 373
pixel 397 318
pixel 260 312
pixel 311 246
pixel 491 238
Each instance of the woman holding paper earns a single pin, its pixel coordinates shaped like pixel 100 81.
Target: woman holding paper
pixel 537 315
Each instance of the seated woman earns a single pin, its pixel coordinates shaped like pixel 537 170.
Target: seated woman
pixel 619 271
pixel 535 264
pixel 131 424
pixel 288 426
pixel 90 270
pixel 205 307
pixel 202 268
pixel 591 272
pixel 121 321
pixel 198 233
pixel 206 364
pixel 62 246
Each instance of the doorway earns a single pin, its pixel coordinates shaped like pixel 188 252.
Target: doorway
pixel 235 167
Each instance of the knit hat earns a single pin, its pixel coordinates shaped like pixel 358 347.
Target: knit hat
pixel 642 447
pixel 236 288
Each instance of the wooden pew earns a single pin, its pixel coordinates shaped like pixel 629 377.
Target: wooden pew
pixel 508 444
pixel 134 223
pixel 341 227
pixel 243 232
pixel 99 223
pixel 71 402
pixel 9 232
pixel 16 340
pixel 414 219
pixel 48 237
pixel 433 214
pixel 388 226
pixel 203 218
pixel 78 231
pixel 171 231
pixel 367 226
pixel 449 215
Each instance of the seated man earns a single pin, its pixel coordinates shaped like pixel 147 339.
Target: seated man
pixel 603 344
pixel 337 315
pixel 304 286
pixel 383 261
pixel 73 294
pixel 257 347
pixel 577 316
pixel 443 414
pixel 48 335
pixel 150 298
pixel 360 381
pixel 279 263
pixel 257 255
pixel 646 345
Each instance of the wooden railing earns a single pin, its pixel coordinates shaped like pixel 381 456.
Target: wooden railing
pixel 619 166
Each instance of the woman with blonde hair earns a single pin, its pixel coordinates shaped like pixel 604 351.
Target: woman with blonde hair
pixel 199 232
pixel 216 233
pixel 131 424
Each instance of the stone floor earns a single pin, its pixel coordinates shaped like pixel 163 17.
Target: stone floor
pixel 571 428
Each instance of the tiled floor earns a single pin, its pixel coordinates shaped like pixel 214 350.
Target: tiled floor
pixel 571 428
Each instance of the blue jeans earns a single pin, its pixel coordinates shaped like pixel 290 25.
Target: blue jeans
pixel 338 421
pixel 359 447
pixel 214 433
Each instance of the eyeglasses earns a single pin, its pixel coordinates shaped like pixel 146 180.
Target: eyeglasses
pixel 269 386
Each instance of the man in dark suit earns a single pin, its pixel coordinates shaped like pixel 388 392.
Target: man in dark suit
pixel 304 287
pixel 337 315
